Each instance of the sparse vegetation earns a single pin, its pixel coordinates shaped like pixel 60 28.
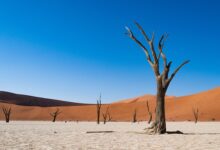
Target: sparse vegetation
pixel 196 114
pixel 7 113
pixel 109 116
pixel 55 114
pixel 134 116
pixel 105 115
pixel 163 79
pixel 98 108
pixel 149 113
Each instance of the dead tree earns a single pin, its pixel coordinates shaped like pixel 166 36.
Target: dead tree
pixel 55 114
pixel 149 113
pixel 109 116
pixel 163 78
pixel 7 113
pixel 98 108
pixel 105 115
pixel 196 114
pixel 134 116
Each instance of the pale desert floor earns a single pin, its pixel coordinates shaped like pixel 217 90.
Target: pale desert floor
pixel 72 135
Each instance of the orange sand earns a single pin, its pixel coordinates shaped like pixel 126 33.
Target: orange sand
pixel 177 109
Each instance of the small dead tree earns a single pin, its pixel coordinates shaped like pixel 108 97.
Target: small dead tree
pixel 55 114
pixel 134 116
pixel 163 78
pixel 149 113
pixel 196 114
pixel 7 113
pixel 98 108
pixel 105 115
pixel 109 116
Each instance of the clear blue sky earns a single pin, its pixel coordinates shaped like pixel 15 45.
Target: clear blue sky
pixel 73 50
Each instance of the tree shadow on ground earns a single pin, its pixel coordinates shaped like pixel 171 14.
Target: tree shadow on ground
pixel 100 131
pixel 201 133
pixel 174 132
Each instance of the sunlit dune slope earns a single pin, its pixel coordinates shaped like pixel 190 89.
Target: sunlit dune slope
pixel 177 109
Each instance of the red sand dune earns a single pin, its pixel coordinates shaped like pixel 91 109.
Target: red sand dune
pixel 177 109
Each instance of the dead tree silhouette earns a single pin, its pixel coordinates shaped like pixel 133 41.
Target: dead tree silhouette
pixel 98 108
pixel 149 113
pixel 134 116
pixel 55 114
pixel 7 113
pixel 196 114
pixel 163 79
pixel 109 116
pixel 105 115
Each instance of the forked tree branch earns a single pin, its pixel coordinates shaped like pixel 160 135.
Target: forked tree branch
pixel 131 35
pixel 150 42
pixel 160 47
pixel 163 78
pixel 174 73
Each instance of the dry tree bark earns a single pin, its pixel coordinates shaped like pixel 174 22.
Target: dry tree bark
pixel 149 113
pixel 7 113
pixel 55 114
pixel 163 79
pixel 98 108
pixel 196 114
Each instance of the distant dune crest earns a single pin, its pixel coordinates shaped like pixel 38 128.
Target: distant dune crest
pixel 26 100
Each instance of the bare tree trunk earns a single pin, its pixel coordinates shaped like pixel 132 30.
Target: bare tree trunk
pixel 160 120
pixel 134 119
pixel 149 113
pixel 159 125
pixel 54 118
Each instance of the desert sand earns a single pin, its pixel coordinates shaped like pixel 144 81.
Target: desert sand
pixel 177 109
pixel 72 135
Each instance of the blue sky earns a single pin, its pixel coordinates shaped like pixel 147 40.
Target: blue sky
pixel 73 50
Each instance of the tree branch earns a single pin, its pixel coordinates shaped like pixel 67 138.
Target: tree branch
pixel 149 41
pixel 131 35
pixel 174 73
pixel 160 47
